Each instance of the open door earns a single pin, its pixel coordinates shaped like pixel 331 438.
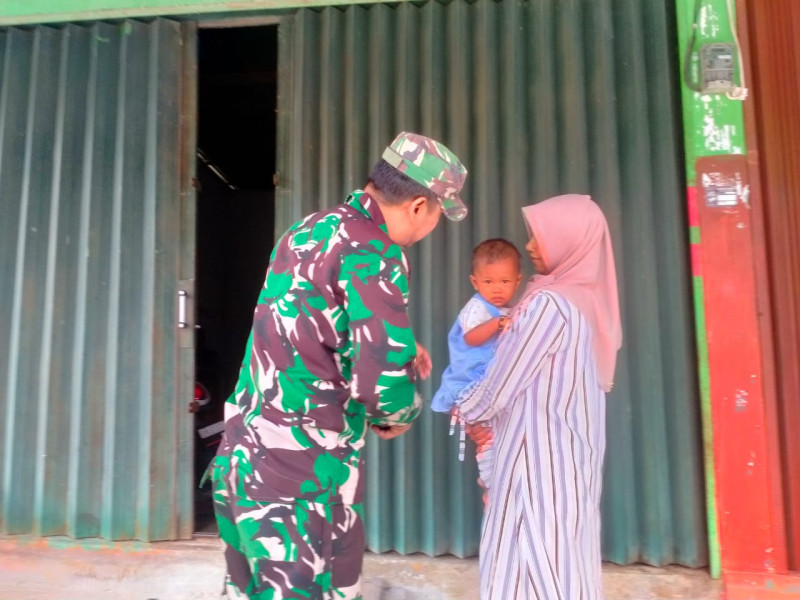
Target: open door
pixel 237 101
pixel 97 239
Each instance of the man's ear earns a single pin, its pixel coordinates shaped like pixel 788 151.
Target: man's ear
pixel 474 281
pixel 419 204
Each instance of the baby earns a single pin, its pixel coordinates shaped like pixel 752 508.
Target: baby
pixel 495 276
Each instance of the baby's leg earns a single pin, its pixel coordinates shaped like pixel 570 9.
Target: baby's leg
pixel 485 468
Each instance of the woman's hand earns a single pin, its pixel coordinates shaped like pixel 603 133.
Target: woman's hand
pixel 390 431
pixel 423 363
pixel 503 322
pixel 481 435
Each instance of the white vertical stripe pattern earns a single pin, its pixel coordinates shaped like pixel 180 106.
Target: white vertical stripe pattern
pixel 541 531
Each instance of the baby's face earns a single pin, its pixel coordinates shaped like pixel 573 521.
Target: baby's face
pixel 497 281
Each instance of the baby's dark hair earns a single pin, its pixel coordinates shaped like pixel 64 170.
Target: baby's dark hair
pixel 490 251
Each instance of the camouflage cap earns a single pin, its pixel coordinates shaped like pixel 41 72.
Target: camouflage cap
pixel 433 165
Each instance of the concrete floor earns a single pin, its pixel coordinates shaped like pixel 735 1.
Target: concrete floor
pixel 60 569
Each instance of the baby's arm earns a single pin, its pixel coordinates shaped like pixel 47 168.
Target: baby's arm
pixel 480 334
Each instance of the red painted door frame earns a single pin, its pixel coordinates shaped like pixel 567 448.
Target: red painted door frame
pixel 749 528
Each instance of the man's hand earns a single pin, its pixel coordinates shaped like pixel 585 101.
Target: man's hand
pixel 423 362
pixel 391 431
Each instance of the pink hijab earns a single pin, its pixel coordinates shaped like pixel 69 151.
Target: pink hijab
pixel 574 243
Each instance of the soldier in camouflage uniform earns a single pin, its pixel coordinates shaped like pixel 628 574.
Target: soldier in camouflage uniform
pixel 331 351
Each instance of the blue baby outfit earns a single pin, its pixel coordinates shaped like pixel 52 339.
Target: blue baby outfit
pixel 467 363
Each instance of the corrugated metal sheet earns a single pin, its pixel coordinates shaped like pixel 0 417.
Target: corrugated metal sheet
pixel 538 98
pixel 775 31
pixel 94 440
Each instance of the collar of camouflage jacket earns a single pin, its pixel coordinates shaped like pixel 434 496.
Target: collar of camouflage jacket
pixel 368 206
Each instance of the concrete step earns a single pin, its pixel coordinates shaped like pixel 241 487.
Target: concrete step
pixel 65 569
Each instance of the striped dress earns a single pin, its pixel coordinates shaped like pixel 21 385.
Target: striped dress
pixel 542 398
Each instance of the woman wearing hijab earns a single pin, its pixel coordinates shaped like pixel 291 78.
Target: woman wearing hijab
pixel 543 397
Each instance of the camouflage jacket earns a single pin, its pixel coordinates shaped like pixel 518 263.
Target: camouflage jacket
pixel 330 351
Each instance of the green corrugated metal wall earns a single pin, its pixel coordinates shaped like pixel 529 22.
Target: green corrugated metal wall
pixel 538 97
pixel 94 440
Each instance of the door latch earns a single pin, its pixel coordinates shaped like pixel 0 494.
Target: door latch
pixel 182 296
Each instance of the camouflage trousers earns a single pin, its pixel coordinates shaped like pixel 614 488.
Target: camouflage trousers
pixel 287 551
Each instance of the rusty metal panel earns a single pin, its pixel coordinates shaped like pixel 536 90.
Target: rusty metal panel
pixel 774 31
pixel 92 429
pixel 538 98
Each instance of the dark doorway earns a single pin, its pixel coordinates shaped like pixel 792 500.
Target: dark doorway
pixel 237 101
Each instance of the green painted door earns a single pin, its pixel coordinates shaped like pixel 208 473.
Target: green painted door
pixel 96 234
pixel 538 97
